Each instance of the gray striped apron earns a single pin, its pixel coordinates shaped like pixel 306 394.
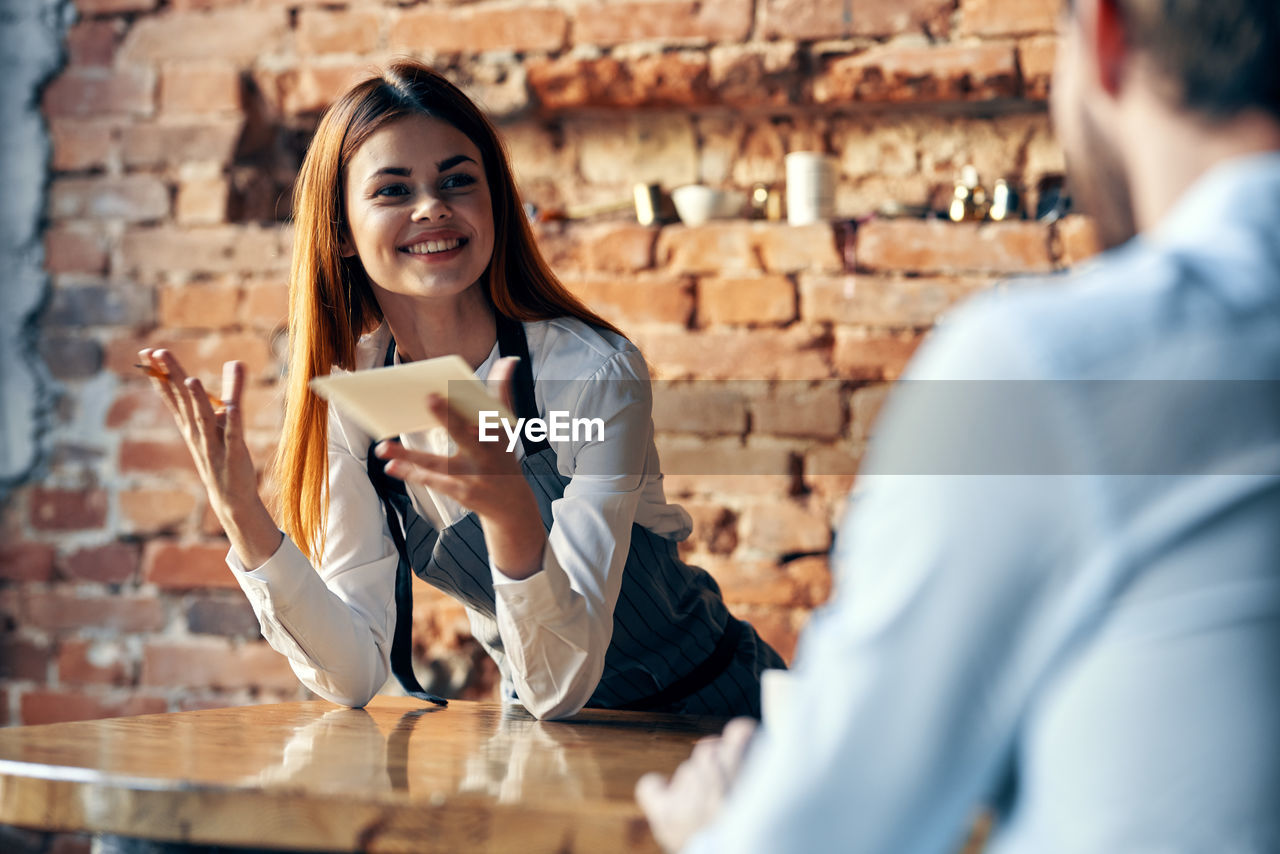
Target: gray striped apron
pixel 675 646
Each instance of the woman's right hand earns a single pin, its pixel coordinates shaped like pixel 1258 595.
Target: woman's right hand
pixel 217 445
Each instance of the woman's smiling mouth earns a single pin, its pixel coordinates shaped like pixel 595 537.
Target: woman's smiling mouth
pixel 435 247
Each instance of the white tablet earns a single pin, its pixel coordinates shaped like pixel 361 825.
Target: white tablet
pixel 393 400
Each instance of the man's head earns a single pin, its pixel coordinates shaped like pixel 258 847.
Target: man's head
pixel 1209 61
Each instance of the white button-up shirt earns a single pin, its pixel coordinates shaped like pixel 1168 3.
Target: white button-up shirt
pixel 335 622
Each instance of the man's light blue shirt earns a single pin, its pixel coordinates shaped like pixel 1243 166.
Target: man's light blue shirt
pixel 1058 583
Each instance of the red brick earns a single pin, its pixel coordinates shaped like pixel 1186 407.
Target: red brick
pixel 737 247
pixel 113 563
pixel 211 140
pixel 749 301
pixel 234 34
pixel 168 457
pixel 812 411
pixel 859 356
pixel 199 306
pixel 812 576
pixel 152 511
pixel 26 561
pixel 201 357
pixel 715 529
pixel 1008 17
pixel 216 664
pixel 704 407
pixel 82 92
pixel 864 408
pixel 894 73
pixel 113 7
pixel 202 201
pixel 23 659
pixel 823 19
pixel 792 248
pixel 325 31
pixel 612 23
pixel 1078 240
pixel 776 626
pixel 804 582
pixel 727 467
pixel 51 707
pixel 603 247
pixel 263 408
pixel 75 248
pixel 766 74
pixel 80 144
pixel 199 88
pixel 54 509
pixel 664 80
pixel 60 610
pixel 188 567
pixel 470 30
pixel 784 528
pixel 93 663
pixel 797 353
pixel 266 303
pixel 922 246
pixel 310 88
pixel 130 198
pixel 829 470
pixel 138 407
pixel 228 615
pixel 222 249
pixel 866 300
pixel 1036 57
pixel 93 42
pixel 637 299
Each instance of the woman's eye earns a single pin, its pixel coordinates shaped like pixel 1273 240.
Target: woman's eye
pixel 457 181
pixel 392 190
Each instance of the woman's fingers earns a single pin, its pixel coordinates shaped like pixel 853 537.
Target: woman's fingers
pixel 159 381
pixel 404 463
pixel 232 392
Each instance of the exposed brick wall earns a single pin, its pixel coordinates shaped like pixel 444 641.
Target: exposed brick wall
pixel 177 129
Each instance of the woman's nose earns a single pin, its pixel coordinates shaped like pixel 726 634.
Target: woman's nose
pixel 430 207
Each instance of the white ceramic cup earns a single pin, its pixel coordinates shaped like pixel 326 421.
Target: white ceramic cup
pixel 811 187
pixel 695 203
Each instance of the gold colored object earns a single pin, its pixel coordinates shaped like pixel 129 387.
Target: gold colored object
pixel 969 202
pixel 648 201
pixel 1004 202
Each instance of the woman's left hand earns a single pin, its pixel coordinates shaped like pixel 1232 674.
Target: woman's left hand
pixel 483 477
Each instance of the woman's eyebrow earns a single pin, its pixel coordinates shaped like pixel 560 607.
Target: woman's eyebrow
pixel 450 162
pixel 402 171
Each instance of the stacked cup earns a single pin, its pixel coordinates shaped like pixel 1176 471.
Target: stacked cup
pixel 811 187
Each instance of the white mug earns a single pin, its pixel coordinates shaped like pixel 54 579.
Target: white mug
pixel 811 187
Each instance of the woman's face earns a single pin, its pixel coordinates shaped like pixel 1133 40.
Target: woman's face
pixel 419 215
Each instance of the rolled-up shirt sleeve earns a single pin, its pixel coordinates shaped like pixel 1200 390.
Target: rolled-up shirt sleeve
pixel 557 624
pixel 333 625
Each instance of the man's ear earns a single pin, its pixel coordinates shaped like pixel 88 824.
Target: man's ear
pixel 1110 45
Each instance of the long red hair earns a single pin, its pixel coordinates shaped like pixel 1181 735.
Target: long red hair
pixel 330 301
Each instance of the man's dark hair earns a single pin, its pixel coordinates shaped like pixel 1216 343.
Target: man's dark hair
pixel 1222 55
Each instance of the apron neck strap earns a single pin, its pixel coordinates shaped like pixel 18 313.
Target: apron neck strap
pixel 511 342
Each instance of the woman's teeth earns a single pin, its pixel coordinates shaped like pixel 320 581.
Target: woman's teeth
pixel 430 247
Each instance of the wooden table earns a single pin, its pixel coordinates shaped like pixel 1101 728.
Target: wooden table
pixel 395 777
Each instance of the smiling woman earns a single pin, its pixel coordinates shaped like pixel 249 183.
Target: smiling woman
pixel 411 243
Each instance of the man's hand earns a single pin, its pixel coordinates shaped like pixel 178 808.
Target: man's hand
pixel 692 799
